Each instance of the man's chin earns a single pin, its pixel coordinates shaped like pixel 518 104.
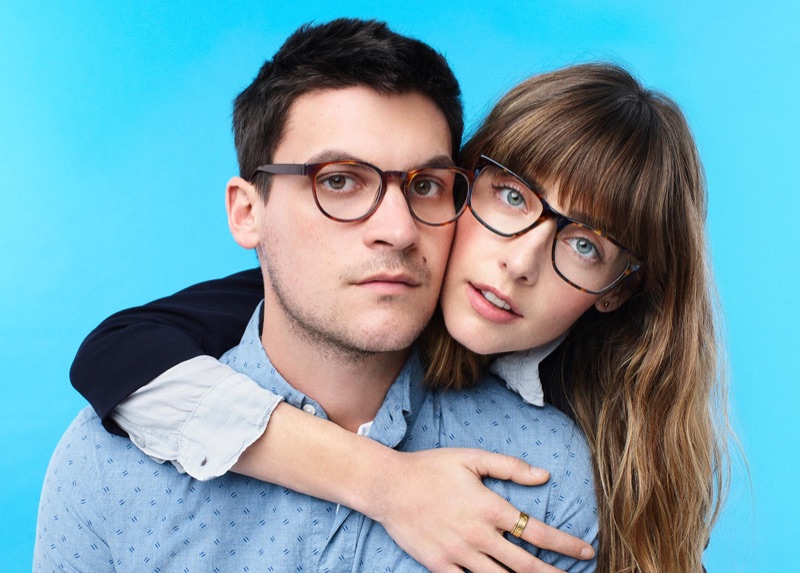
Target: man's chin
pixel 392 337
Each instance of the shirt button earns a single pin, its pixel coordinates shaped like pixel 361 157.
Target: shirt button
pixel 309 408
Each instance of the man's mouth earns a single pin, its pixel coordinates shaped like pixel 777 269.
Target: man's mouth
pixel 396 278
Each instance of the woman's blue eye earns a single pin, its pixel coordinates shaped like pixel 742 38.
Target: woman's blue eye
pixel 584 247
pixel 512 197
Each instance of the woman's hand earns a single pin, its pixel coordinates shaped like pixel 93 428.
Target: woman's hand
pixel 431 502
pixel 435 506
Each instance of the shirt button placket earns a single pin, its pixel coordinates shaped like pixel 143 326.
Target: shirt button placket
pixel 340 551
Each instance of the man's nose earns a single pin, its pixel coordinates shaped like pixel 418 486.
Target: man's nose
pixel 392 223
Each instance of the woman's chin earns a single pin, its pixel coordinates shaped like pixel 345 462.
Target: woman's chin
pixel 483 344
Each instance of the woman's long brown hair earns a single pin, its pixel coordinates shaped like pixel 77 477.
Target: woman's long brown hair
pixel 646 382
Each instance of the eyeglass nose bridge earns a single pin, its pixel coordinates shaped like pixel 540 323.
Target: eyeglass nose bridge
pixel 386 177
pixel 403 179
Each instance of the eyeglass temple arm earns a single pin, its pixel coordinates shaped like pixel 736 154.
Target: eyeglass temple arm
pixel 281 169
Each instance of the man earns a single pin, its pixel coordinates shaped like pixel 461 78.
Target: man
pixel 326 135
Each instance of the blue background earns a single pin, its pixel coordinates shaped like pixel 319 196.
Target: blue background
pixel 115 148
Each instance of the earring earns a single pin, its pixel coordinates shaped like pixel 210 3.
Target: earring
pixel 605 304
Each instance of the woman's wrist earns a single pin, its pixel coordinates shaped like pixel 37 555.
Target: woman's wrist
pixel 376 472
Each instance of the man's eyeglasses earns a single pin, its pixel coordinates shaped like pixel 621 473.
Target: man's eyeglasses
pixel 585 257
pixel 351 191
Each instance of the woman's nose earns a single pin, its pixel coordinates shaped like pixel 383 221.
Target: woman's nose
pixel 524 255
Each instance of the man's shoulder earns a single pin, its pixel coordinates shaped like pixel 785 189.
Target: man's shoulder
pixel 490 404
pixel 87 427
pixel 86 446
pixel 492 417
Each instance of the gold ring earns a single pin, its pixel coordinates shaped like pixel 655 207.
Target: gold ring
pixel 520 526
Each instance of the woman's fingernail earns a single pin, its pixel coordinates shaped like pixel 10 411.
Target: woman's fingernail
pixel 539 472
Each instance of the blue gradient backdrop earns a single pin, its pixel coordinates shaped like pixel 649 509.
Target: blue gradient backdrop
pixel 115 148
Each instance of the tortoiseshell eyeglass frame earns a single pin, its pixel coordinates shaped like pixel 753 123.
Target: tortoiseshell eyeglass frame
pixel 311 170
pixel 634 262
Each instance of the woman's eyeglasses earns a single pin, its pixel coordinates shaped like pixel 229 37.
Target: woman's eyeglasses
pixel 585 257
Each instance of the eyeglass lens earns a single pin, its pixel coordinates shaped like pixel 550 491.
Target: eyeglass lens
pixel 349 191
pixel 580 254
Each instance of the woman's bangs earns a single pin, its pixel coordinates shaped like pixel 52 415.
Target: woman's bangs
pixel 587 185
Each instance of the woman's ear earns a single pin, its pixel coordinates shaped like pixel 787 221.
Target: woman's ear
pixel 613 299
pixel 243 203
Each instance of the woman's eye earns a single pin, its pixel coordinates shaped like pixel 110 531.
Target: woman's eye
pixel 584 248
pixel 512 197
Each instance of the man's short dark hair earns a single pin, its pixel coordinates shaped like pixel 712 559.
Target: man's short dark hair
pixel 339 54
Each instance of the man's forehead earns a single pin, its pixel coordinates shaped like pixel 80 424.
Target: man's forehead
pixel 392 131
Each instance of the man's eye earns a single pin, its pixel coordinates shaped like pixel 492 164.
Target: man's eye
pixel 426 188
pixel 338 182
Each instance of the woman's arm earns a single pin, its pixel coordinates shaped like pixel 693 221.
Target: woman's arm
pixel 432 503
pixel 200 415
pixel 131 348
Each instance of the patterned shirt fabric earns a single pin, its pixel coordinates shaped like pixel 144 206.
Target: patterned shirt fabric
pixel 106 506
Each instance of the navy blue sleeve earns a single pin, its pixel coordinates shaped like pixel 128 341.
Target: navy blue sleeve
pixel 131 348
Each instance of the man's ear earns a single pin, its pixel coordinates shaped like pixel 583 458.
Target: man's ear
pixel 613 299
pixel 244 205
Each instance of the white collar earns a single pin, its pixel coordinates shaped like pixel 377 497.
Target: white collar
pixel 520 371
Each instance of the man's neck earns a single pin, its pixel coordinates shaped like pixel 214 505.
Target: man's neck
pixel 350 387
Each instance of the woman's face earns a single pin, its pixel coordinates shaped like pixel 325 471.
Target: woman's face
pixel 502 294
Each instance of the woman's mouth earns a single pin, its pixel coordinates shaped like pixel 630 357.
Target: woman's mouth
pixel 490 305
pixel 495 300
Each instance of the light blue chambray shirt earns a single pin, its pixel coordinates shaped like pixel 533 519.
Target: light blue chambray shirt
pixel 106 506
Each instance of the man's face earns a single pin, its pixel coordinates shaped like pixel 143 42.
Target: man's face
pixel 352 289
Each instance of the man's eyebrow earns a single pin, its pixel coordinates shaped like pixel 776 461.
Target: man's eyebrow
pixel 438 161
pixel 336 155
pixel 333 155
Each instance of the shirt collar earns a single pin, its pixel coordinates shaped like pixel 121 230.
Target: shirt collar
pixel 402 402
pixel 520 371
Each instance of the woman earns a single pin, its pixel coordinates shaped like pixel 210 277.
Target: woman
pixel 623 280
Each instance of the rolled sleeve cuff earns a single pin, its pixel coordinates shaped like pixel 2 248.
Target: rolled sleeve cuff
pixel 200 415
pixel 229 418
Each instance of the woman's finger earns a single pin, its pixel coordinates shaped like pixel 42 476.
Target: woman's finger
pixel 547 537
pixel 519 560
pixel 507 468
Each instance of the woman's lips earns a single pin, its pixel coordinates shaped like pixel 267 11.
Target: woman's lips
pixel 490 305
